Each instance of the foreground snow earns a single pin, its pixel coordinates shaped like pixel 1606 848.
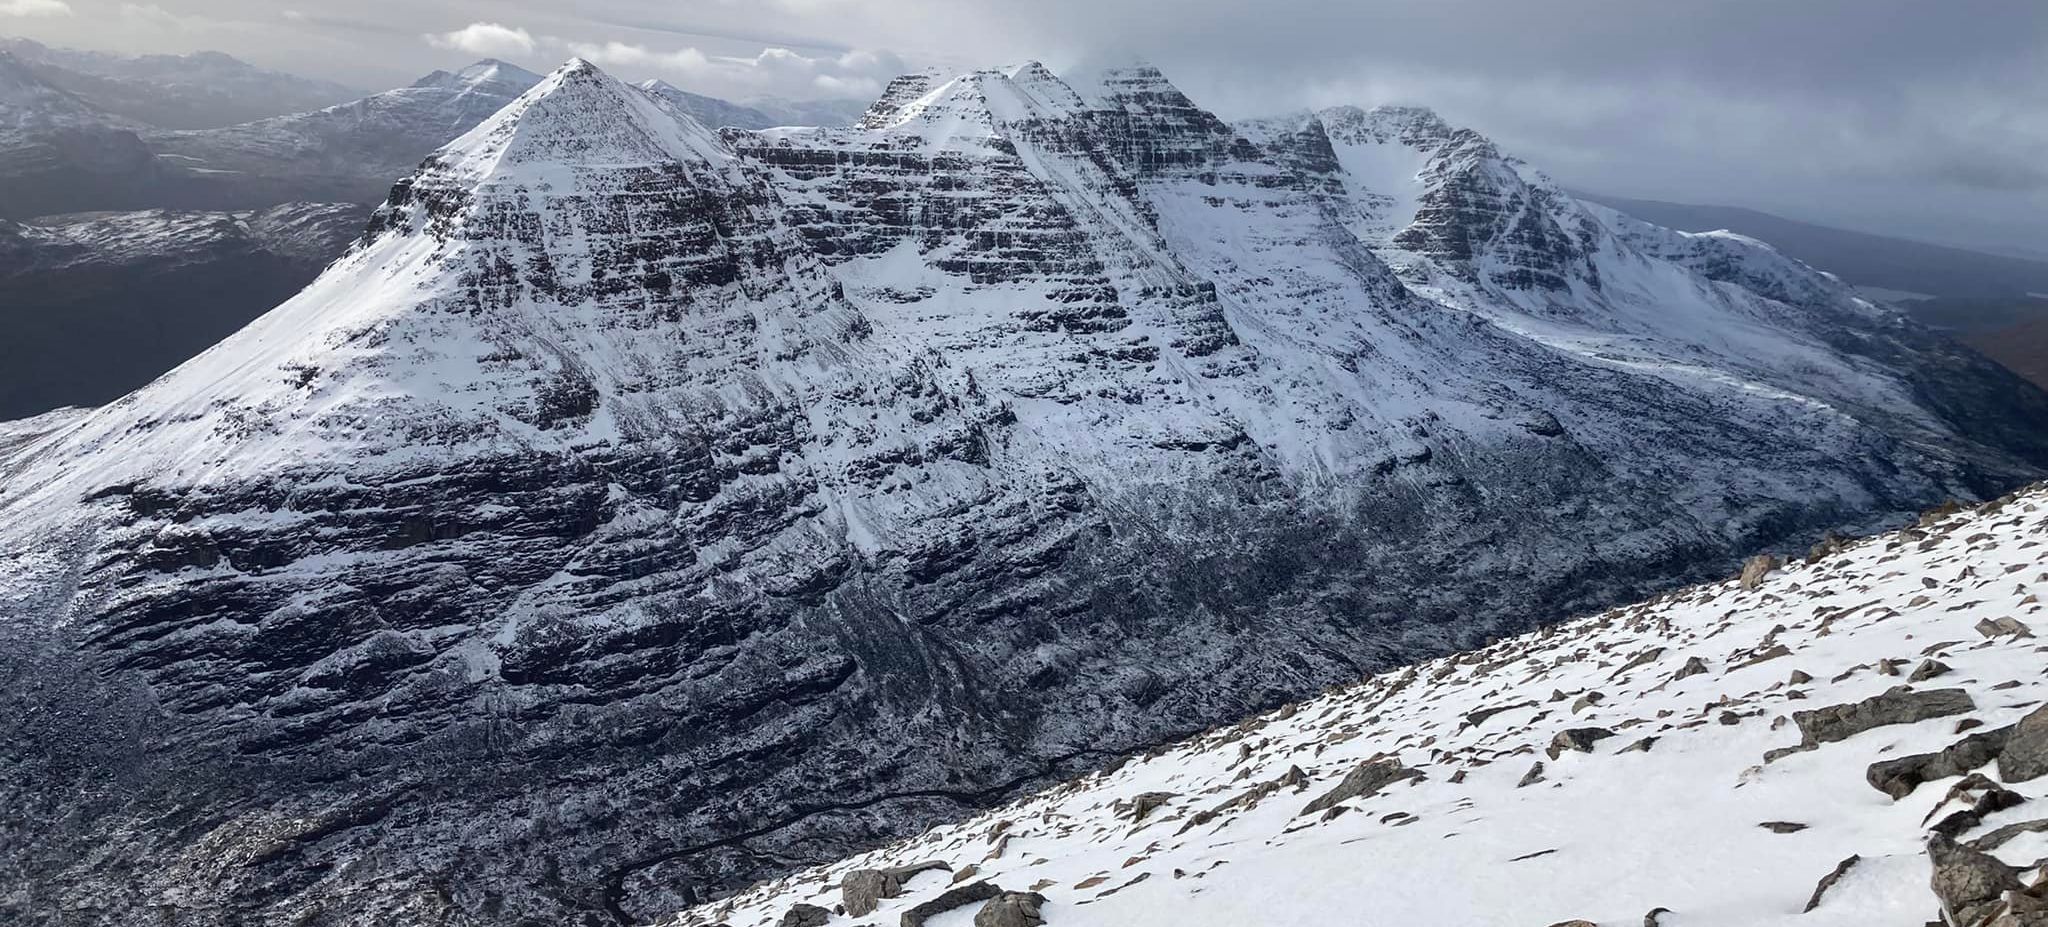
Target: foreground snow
pixel 1605 836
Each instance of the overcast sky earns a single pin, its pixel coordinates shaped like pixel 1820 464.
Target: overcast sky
pixel 1924 118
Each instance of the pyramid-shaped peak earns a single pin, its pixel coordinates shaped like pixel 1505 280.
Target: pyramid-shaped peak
pixel 580 116
pixel 901 92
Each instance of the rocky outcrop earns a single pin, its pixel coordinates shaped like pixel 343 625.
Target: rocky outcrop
pixel 2024 755
pixel 1899 777
pixel 1367 780
pixel 1900 705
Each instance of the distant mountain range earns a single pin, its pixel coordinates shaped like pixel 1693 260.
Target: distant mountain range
pixel 197 91
pixel 83 131
pixel 1862 259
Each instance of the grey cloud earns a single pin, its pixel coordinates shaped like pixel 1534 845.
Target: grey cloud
pixel 1904 116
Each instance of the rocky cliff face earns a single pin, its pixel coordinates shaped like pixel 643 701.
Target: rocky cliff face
pixel 640 509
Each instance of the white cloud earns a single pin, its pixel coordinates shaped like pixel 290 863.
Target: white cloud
pixel 485 39
pixel 774 72
pixel 621 54
pixel 34 8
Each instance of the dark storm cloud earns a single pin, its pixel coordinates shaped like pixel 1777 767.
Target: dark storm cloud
pixel 1915 117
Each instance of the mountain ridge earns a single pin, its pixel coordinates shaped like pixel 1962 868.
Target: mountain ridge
pixel 628 471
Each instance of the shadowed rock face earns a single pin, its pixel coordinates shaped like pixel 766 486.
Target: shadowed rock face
pixel 640 510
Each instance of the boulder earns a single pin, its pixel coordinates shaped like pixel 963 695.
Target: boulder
pixel 863 890
pixel 806 915
pixel 1967 881
pixel 1011 909
pixel 1928 669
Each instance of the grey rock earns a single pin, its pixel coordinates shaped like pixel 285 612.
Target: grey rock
pixel 2025 754
pixel 957 897
pixel 1828 881
pixel 1968 882
pixel 685 649
pixel 1928 669
pixel 1578 739
pixel 1011 909
pixel 1533 776
pixel 1897 706
pixel 1900 776
pixel 806 915
pixel 1364 781
pixel 1694 666
pixel 1145 804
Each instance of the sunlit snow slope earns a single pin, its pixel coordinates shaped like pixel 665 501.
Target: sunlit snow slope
pixel 1599 770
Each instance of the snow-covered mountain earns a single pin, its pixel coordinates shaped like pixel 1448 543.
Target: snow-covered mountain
pixel 351 152
pixel 196 91
pixel 640 509
pixel 58 152
pixel 1857 739
pixel 101 303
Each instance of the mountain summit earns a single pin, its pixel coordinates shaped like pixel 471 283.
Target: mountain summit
pixel 640 509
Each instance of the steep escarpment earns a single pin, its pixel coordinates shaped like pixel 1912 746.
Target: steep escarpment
pixel 639 509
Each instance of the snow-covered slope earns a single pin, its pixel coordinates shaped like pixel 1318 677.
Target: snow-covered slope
pixel 641 509
pixel 1626 764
